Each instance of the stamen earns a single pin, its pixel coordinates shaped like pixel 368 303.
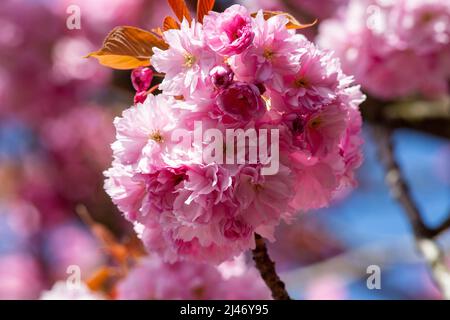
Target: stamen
pixel 315 123
pixel 189 60
pixel 268 54
pixel 156 136
pixel 301 83
pixel 258 187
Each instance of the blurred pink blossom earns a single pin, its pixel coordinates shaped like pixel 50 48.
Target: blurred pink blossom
pixel 20 277
pixel 68 245
pixel 385 45
pixel 189 280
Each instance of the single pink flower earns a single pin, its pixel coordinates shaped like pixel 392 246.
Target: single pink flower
pixel 187 62
pixel 263 199
pixel 144 133
pixel 272 52
pixel 313 85
pixel 315 181
pixel 222 76
pixel 126 190
pixel 230 32
pixel 324 129
pixel 350 147
pixel 236 228
pixel 241 101
pixel 203 188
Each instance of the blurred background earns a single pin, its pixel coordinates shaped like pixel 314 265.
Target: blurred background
pixel 56 112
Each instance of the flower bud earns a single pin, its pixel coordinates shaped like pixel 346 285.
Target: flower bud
pixel 141 78
pixel 140 97
pixel 221 76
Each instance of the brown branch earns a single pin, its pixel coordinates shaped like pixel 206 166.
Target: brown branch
pixel 267 270
pixel 427 116
pixel 444 226
pixel 400 191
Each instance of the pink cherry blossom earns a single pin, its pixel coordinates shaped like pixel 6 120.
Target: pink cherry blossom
pixel 126 190
pixel 71 245
pixel 241 101
pixel 324 129
pixel 174 281
pixel 184 207
pixel 385 45
pixel 191 281
pixel 263 198
pixel 247 286
pixel 187 62
pixel 315 181
pixel 204 187
pixel 144 133
pixel 21 276
pixel 314 84
pixel 350 147
pixel 271 54
pixel 230 32
pixel 222 76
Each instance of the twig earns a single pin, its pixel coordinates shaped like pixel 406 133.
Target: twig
pixel 267 270
pixel 424 235
pixel 444 226
pixel 152 89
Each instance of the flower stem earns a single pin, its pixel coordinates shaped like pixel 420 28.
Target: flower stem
pixel 267 270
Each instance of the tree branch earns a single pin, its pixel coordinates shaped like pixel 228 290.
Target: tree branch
pixel 424 235
pixel 444 226
pixel 267 270
pixel 426 116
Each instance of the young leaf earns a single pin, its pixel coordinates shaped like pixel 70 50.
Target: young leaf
pixel 203 7
pixel 180 9
pixel 170 23
pixel 103 280
pixel 128 48
pixel 158 31
pixel 292 24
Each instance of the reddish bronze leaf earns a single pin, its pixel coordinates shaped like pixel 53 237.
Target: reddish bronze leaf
pixel 96 281
pixel 170 23
pixel 110 244
pixel 158 31
pixel 180 9
pixel 293 22
pixel 203 7
pixel 128 48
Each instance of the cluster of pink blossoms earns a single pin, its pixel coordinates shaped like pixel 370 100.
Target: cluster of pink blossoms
pixel 393 48
pixel 186 280
pixel 232 280
pixel 234 71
